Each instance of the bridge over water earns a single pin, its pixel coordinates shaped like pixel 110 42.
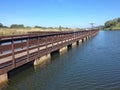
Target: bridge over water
pixel 35 47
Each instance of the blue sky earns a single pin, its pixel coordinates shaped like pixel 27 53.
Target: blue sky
pixel 52 13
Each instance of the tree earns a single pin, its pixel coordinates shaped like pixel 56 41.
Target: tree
pixel 17 26
pixel 118 20
pixel 37 27
pixel 60 28
pixel 27 27
pixel 1 25
pixel 110 23
pixel 5 26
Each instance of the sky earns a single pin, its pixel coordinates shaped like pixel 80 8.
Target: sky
pixel 55 13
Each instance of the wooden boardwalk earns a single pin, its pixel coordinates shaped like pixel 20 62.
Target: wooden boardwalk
pixel 18 50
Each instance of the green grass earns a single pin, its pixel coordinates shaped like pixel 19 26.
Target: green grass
pixel 112 28
pixel 115 28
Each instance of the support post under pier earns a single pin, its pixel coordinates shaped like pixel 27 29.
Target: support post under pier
pixel 77 42
pixel 82 40
pixel 74 44
pixel 63 50
pixel 42 59
pixel 69 46
pixel 3 78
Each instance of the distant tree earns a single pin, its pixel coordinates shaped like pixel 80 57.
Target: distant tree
pixel 5 26
pixel 101 27
pixel 110 23
pixel 21 26
pixel 60 28
pixel 17 26
pixel 1 25
pixel 118 20
pixel 27 27
pixel 50 27
pixel 37 26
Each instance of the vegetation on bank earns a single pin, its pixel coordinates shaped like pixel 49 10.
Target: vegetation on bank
pixel 112 24
pixel 15 29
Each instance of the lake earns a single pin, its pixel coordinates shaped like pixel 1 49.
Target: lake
pixel 92 65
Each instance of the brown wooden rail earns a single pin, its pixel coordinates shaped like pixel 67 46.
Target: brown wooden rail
pixel 20 49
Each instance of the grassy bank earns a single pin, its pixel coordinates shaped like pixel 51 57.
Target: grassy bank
pixel 16 31
pixel 112 28
pixel 116 28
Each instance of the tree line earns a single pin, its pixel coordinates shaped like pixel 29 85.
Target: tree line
pixel 112 24
pixel 12 26
pixel 22 26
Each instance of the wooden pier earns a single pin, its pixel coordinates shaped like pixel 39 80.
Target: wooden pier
pixel 18 50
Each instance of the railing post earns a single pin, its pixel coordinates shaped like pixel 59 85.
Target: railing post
pixel 52 41
pixel 46 45
pixel 58 40
pixel 63 40
pixel 70 38
pixel 13 52
pixel 22 45
pixel 38 45
pixel 27 49
pixel 0 46
pixel 90 33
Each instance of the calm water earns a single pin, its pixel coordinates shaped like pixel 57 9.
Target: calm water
pixel 93 65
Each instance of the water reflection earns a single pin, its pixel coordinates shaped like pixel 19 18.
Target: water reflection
pixel 3 85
